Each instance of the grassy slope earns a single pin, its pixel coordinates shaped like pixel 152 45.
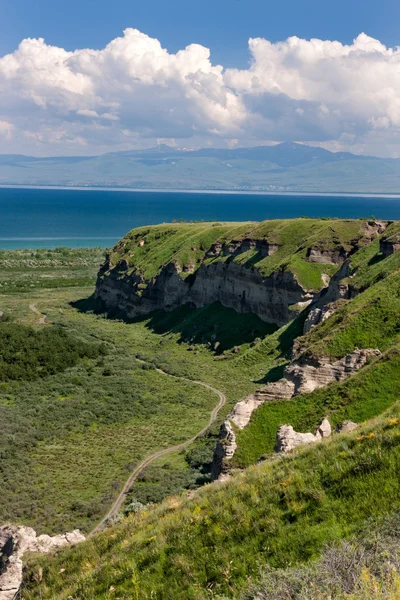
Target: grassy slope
pixel 365 567
pixel 371 319
pixel 361 397
pixel 186 244
pixel 281 512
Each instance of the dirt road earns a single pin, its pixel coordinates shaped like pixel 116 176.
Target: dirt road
pixel 145 462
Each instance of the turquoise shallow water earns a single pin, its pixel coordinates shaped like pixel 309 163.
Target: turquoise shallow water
pixel 48 218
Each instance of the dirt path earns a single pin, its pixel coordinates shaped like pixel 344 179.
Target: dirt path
pixel 142 465
pixel 42 320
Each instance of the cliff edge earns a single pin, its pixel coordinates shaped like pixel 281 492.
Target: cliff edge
pixel 273 269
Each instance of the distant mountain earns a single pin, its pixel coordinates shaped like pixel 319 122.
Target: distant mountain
pixel 287 167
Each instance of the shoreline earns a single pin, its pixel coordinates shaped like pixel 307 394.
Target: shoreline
pixel 389 196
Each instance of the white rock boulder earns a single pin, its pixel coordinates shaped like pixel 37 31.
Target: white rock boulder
pixel 15 541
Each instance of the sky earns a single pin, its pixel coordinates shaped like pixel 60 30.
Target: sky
pixel 94 76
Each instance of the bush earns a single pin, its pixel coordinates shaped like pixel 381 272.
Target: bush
pixel 26 353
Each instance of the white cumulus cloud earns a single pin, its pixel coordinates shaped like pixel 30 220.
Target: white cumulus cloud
pixel 134 92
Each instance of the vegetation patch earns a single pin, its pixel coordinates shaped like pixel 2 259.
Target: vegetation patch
pixel 27 270
pixel 221 328
pixel 26 353
pixel 171 475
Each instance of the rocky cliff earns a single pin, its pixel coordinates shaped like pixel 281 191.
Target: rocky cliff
pixel 271 269
pixel 234 286
pixel 274 269
pixel 300 376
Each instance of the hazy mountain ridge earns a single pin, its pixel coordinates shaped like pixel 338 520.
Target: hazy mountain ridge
pixel 287 167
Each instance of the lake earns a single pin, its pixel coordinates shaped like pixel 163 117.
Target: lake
pixel 48 218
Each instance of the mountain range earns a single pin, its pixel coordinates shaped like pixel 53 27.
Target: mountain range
pixel 285 167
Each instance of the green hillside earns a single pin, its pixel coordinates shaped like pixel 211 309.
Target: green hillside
pixel 279 513
pixel 369 320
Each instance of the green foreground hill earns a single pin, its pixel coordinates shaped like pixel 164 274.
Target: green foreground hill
pixel 279 513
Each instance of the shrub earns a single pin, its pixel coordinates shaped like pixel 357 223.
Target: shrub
pixel 26 353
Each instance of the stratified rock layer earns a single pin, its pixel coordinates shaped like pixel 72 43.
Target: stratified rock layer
pixel 231 284
pixel 299 378
pixel 15 541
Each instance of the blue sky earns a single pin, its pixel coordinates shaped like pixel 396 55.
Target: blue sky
pixel 224 26
pixel 93 76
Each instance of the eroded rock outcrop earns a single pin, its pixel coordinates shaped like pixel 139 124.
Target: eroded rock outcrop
pixel 347 427
pixel 226 446
pixel 373 228
pixel 316 316
pixel 389 246
pixel 224 451
pixel 287 438
pixel 299 377
pixel 323 256
pixel 308 375
pixel 233 285
pixel 338 287
pixel 236 247
pixel 15 541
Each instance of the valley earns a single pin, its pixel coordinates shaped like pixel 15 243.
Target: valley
pixel 170 334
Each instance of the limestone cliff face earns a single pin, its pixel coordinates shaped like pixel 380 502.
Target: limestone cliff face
pixel 163 267
pixel 233 285
pixel 15 541
pixel 299 377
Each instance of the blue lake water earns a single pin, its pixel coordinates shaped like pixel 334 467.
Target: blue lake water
pixel 48 218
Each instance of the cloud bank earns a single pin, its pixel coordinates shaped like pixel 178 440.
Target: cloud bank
pixel 134 92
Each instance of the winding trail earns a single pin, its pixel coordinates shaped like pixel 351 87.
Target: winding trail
pixel 145 462
pixel 43 317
